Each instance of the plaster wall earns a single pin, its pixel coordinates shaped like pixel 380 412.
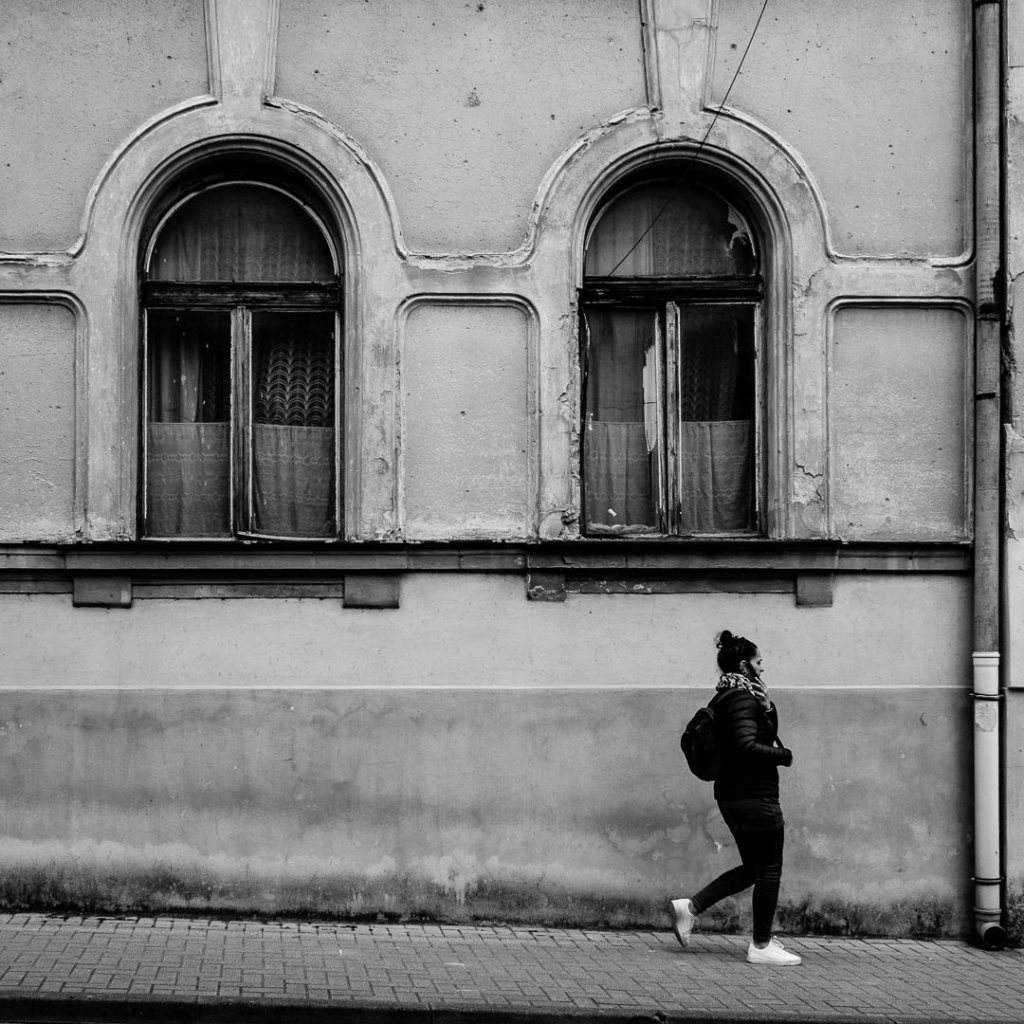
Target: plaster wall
pixel 464 182
pixel 882 126
pixel 443 94
pixel 464 106
pixel 73 87
pixel 466 630
pixel 562 806
pixel 37 420
pixel 472 752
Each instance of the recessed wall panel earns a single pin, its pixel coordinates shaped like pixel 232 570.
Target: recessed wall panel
pixel 466 424
pixel 897 402
pixel 37 421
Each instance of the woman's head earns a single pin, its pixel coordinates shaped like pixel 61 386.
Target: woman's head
pixel 738 654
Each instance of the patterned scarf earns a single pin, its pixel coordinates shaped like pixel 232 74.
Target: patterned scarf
pixel 732 680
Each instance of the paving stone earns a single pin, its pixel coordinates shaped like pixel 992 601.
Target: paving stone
pixel 506 969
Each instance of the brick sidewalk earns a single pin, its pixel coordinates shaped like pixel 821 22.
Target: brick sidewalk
pixel 155 969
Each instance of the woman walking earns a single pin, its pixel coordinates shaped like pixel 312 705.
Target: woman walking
pixel 747 792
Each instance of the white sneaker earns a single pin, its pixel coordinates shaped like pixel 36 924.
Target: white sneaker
pixel 683 920
pixel 773 954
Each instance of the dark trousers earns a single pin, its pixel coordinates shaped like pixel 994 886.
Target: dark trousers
pixel 761 853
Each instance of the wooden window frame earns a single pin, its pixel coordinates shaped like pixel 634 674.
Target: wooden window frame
pixel 666 296
pixel 241 300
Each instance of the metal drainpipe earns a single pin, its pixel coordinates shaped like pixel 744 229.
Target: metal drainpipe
pixel 987 693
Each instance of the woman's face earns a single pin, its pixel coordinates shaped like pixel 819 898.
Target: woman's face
pixel 754 666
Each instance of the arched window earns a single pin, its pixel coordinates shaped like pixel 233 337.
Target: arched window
pixel 670 357
pixel 241 302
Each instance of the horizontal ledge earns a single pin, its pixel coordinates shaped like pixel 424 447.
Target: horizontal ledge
pixel 305 686
pixel 573 558
pixel 750 555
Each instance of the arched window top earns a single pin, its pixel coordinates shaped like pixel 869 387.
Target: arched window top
pixel 241 232
pixel 661 229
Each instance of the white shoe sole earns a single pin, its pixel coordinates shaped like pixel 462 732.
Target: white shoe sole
pixel 682 935
pixel 786 960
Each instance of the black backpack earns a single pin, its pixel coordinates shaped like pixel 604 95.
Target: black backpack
pixel 699 743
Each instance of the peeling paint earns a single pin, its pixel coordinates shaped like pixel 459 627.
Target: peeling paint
pixel 807 486
pixel 14 260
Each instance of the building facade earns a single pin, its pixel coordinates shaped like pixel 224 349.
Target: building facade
pixel 399 396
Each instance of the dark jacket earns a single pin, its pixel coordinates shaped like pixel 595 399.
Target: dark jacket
pixel 748 736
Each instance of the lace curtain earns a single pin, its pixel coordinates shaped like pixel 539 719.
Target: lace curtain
pixel 241 233
pixel 693 233
pixel 293 457
pixel 293 480
pixel 715 475
pixel 188 473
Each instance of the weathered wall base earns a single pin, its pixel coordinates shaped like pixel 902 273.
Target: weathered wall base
pixel 1014 792
pixel 568 806
pixel 1015 912
pixel 61 886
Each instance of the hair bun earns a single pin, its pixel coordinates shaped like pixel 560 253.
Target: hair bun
pixel 724 639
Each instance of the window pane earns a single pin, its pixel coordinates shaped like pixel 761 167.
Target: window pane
pixel 293 439
pixel 658 230
pixel 241 233
pixel 188 437
pixel 717 402
pixel 621 437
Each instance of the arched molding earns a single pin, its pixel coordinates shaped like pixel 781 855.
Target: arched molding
pixel 351 192
pixel 790 217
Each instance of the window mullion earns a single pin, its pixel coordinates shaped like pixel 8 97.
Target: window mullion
pixel 340 427
pixel 146 399
pixel 241 420
pixel 759 422
pixel 669 418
